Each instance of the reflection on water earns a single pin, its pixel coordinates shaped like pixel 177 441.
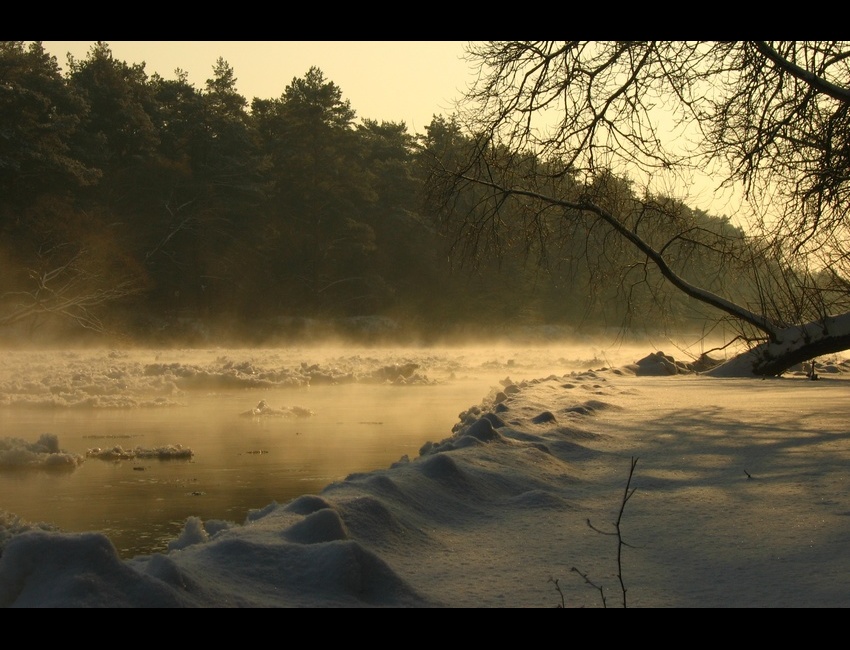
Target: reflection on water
pixel 325 416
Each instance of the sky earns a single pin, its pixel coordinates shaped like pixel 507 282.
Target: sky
pixel 697 491
pixel 407 81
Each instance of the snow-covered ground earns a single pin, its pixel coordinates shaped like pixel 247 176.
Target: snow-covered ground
pixel 739 493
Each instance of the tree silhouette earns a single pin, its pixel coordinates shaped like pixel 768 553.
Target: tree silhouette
pixel 555 126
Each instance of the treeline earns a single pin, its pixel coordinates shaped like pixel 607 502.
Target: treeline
pixel 142 206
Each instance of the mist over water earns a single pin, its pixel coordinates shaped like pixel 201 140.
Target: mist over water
pixel 148 438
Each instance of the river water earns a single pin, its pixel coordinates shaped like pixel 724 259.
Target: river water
pixel 133 442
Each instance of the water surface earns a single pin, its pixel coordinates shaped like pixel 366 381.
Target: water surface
pixel 260 425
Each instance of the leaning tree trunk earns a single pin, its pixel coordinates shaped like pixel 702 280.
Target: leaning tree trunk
pixel 784 347
pixel 792 346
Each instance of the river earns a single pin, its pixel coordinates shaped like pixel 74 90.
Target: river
pixel 149 438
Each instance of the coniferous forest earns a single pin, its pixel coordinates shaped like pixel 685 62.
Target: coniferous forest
pixel 138 208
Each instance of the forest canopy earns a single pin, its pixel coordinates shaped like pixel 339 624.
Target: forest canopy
pixel 147 209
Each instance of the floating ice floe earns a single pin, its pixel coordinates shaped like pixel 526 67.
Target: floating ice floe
pixel 262 409
pixel 44 454
pixel 166 452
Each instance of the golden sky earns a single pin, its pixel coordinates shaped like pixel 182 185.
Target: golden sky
pixel 396 81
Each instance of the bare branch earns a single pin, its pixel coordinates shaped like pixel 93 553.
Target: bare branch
pixel 68 291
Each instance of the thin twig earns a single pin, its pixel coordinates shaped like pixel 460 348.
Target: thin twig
pixel 627 494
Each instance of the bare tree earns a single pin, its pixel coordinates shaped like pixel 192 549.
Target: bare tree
pixel 552 125
pixel 65 289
